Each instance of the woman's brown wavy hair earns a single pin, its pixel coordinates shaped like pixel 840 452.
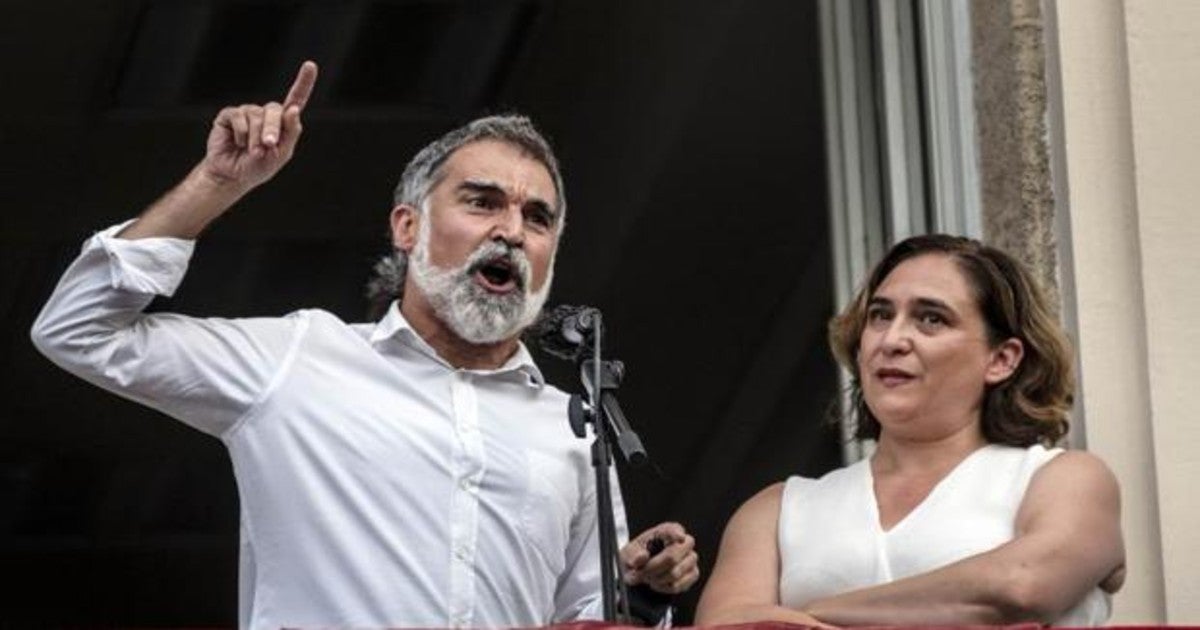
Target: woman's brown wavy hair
pixel 1030 406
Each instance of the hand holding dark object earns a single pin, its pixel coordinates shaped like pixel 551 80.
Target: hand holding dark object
pixel 662 558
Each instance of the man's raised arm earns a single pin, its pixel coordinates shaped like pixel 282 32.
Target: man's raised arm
pixel 206 372
pixel 247 146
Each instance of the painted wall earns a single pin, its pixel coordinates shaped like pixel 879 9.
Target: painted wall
pixel 1127 141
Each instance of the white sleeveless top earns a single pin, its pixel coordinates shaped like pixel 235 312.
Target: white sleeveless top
pixel 830 540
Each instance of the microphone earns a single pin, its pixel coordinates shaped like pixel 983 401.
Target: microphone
pixel 568 332
pixel 564 331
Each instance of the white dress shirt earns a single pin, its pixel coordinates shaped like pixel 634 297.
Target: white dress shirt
pixel 379 485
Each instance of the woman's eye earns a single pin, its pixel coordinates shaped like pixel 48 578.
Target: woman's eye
pixel 932 319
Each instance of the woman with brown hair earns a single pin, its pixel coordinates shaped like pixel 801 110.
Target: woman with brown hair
pixel 966 512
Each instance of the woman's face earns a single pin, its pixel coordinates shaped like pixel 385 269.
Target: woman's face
pixel 924 359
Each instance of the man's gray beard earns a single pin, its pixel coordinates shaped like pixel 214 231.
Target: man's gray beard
pixel 471 311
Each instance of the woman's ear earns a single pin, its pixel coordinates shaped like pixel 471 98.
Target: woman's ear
pixel 405 219
pixel 1005 359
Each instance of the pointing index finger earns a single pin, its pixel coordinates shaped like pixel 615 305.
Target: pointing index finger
pixel 302 87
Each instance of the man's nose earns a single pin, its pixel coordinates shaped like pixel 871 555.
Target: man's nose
pixel 510 226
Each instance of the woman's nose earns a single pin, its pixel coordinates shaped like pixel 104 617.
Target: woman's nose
pixel 897 338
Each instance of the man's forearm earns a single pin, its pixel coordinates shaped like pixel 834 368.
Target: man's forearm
pixel 187 209
pixel 247 146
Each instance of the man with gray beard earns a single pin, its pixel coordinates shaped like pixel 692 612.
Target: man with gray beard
pixel 416 471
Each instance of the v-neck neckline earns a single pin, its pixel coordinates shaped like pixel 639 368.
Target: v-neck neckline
pixel 929 498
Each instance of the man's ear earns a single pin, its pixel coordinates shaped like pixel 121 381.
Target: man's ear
pixel 1005 360
pixel 405 220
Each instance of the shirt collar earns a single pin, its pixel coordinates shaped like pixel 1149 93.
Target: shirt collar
pixel 395 326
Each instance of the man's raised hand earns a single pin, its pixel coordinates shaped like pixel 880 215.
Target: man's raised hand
pixel 248 144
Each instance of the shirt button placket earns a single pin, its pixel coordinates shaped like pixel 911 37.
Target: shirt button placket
pixel 465 503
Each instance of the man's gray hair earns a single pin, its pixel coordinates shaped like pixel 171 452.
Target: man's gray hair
pixel 424 171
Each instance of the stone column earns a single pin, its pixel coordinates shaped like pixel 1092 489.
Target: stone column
pixel 1010 94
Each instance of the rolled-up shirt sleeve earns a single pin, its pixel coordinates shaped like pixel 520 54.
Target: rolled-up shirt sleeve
pixel 206 372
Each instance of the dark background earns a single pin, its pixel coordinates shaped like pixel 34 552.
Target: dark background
pixel 691 135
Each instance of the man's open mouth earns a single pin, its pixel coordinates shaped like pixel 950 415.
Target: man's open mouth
pixel 498 275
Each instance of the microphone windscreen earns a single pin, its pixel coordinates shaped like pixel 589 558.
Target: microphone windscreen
pixel 546 332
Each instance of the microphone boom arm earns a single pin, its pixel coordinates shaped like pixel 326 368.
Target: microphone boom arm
pixel 610 374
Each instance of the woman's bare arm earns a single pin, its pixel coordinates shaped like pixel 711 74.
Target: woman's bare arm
pixel 744 585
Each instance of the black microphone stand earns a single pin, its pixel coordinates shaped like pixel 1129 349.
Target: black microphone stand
pixel 605 376
pixel 611 373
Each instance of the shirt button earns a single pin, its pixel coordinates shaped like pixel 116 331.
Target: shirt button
pixel 466 484
pixel 460 553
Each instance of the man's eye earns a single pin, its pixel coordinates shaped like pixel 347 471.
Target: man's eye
pixel 479 202
pixel 540 218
